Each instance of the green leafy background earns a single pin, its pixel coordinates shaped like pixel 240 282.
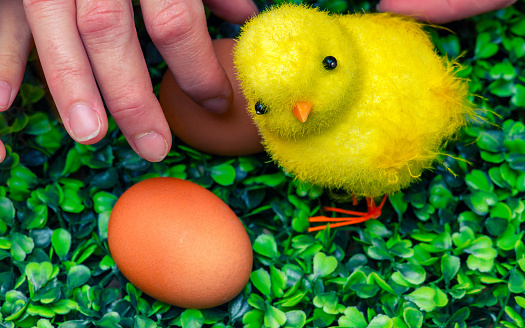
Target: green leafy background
pixel 447 252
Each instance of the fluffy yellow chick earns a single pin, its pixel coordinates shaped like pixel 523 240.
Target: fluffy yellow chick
pixel 356 102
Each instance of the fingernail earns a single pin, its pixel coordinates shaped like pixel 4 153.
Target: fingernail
pixel 5 95
pixel 151 146
pixel 216 105
pixel 84 122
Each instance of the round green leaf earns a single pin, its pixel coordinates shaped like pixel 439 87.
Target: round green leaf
pixel 381 321
pixel 192 319
pixel 61 241
pixel 352 318
pixel 103 201
pixel 516 281
pixel 265 245
pixel 261 280
pixel 78 275
pixel 295 319
pixel 450 265
pixel 39 273
pixel 324 265
pixel 413 317
pixel 223 174
pixel 423 297
pixel 7 211
pixel 273 317
pixel 413 273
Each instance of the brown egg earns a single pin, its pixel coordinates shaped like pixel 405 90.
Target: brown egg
pixel 179 243
pixel 229 134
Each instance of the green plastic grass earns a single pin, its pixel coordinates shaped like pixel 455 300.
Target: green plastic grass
pixel 447 252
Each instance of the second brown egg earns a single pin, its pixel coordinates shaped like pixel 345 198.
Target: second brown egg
pixel 232 133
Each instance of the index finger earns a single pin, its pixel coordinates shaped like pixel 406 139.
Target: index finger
pixel 178 29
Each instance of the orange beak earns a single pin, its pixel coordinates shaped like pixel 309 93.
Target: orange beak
pixel 301 110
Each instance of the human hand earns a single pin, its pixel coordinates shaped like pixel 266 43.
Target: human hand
pixel 15 44
pixel 439 11
pixel 87 45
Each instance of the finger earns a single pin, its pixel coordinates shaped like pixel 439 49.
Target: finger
pixel 178 29
pixel 2 151
pixel 66 68
pixel 15 44
pixel 439 11
pixel 108 31
pixel 233 11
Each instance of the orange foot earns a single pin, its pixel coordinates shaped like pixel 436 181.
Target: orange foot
pixel 373 213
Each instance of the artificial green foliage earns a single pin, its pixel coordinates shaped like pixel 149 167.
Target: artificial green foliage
pixel 446 252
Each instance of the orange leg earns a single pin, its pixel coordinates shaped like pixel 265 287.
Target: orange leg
pixel 373 213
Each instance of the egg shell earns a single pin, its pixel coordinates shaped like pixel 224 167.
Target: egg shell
pixel 232 133
pixel 179 243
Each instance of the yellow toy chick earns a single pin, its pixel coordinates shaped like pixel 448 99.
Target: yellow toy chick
pixel 356 102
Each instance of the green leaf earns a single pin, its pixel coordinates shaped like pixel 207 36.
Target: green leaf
pixel 413 317
pixel 324 265
pixel 44 323
pixel 295 319
pixel 143 322
pixel 478 180
pixel 109 320
pixel 520 301
pixel 485 48
pixel 103 201
pixel 273 317
pixel 265 245
pixel 423 297
pixel 378 250
pixel 459 316
pixel 352 318
pixel 327 301
pixel 223 174
pixel 7 211
pixel 399 205
pixel 518 99
pixel 450 265
pixel 61 241
pixel 514 316
pixel 192 319
pixel 31 93
pixel 39 273
pixel 381 321
pixel 490 140
pixel 278 281
pixel 38 123
pixel 261 280
pixel 516 281
pixel 78 275
pixel 21 245
pixel 413 273
pixel 518 28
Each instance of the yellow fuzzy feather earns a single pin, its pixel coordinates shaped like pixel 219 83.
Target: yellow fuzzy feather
pixel 379 118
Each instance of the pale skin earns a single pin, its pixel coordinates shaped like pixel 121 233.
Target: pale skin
pixel 83 44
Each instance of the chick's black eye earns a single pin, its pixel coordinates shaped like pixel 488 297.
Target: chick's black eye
pixel 329 62
pixel 260 109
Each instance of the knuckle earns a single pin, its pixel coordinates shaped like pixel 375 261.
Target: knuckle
pixel 11 65
pixel 99 18
pixel 64 73
pixel 171 23
pixel 128 107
